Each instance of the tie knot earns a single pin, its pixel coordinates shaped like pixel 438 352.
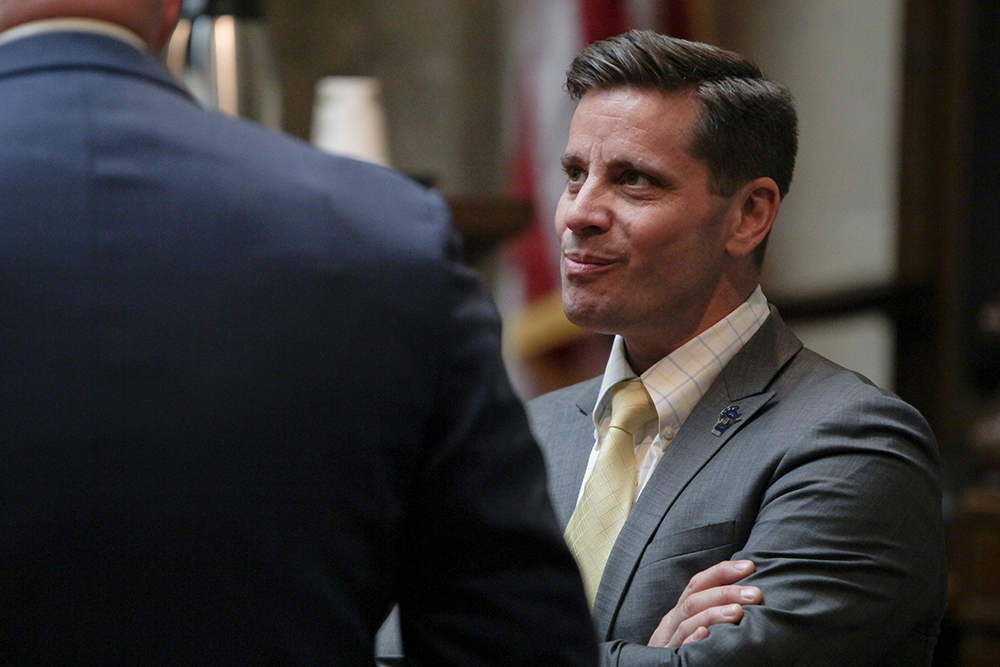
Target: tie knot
pixel 631 406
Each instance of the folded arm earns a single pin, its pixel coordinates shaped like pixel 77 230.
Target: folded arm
pixel 848 552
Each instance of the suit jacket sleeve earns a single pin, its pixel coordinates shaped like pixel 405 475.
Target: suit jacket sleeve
pixel 847 542
pixel 484 575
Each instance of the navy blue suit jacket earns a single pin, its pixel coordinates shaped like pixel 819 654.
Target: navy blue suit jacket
pixel 247 398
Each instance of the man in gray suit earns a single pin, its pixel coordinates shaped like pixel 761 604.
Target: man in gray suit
pixel 756 456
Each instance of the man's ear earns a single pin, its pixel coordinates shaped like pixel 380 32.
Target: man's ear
pixel 168 21
pixel 758 202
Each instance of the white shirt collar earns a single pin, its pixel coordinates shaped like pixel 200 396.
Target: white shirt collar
pixel 73 25
pixel 678 381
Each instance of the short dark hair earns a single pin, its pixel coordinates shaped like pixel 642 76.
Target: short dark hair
pixel 747 127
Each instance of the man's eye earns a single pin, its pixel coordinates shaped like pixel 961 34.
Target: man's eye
pixel 634 178
pixel 574 174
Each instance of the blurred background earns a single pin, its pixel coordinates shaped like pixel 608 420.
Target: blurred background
pixel 886 254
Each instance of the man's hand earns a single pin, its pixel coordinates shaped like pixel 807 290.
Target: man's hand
pixel 710 597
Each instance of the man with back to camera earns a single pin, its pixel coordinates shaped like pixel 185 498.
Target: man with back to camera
pixel 715 446
pixel 249 399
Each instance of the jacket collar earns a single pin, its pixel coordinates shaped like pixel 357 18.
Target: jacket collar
pixel 82 51
pixel 749 372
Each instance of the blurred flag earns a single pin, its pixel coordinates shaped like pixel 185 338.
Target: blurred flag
pixel 544 351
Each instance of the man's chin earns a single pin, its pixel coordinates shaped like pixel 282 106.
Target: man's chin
pixel 587 315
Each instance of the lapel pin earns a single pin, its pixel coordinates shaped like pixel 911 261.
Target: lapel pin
pixel 727 418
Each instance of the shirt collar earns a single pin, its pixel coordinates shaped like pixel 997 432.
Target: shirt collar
pixel 95 26
pixel 678 381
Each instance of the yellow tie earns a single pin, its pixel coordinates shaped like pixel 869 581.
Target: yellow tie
pixel 608 494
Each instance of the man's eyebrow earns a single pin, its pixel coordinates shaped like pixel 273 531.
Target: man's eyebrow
pixel 621 164
pixel 624 164
pixel 570 160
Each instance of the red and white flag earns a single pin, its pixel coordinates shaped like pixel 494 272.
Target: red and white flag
pixel 544 350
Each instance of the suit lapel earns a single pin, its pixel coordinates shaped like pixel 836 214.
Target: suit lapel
pixel 743 385
pixel 569 463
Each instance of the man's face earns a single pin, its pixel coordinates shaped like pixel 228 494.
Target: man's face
pixel 643 238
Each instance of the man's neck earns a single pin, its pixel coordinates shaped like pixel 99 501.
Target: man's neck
pixel 643 352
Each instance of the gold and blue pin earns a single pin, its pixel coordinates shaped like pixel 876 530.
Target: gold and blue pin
pixel 727 418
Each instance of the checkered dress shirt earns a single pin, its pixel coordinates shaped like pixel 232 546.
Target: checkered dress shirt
pixel 675 383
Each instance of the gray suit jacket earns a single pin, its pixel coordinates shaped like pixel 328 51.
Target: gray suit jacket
pixel 827 483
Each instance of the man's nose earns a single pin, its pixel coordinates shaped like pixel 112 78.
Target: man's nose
pixel 588 212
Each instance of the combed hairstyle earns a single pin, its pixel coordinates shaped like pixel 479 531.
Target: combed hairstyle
pixel 747 127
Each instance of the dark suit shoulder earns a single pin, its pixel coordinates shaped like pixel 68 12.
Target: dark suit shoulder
pixel 376 210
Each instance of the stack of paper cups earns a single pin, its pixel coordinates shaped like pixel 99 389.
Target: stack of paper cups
pixel 348 118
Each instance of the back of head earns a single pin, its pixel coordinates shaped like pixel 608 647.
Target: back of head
pixel 747 127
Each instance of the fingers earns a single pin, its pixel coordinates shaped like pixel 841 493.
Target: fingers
pixel 697 626
pixel 700 633
pixel 730 614
pixel 720 574
pixel 711 597
pixel 722 604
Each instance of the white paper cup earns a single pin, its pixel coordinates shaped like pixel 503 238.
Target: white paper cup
pixel 348 118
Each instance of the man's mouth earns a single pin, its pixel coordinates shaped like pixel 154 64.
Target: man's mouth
pixel 582 264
